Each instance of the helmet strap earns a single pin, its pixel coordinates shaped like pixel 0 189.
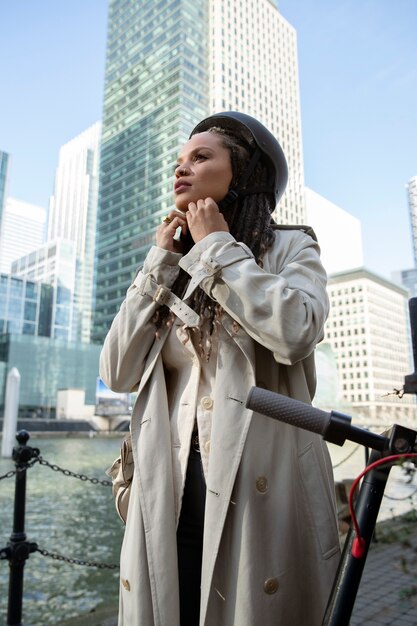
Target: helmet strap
pixel 238 190
pixel 229 199
pixel 253 190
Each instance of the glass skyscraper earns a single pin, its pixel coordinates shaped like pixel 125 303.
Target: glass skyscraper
pixel 25 306
pixel 155 91
pixel 72 216
pixel 22 230
pixel 412 207
pixel 4 166
pixel 169 64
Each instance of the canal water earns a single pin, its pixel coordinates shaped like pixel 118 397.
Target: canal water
pixel 67 516
pixel 77 519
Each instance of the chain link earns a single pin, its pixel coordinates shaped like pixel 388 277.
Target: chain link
pixel 56 468
pixel 9 474
pixel 67 472
pixel 21 468
pixel 73 561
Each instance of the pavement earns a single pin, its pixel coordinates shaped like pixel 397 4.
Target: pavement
pixel 388 590
pixel 387 594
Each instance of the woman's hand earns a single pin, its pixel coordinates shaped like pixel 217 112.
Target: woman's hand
pixel 166 232
pixel 204 218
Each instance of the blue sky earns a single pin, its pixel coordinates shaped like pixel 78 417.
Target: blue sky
pixel 358 86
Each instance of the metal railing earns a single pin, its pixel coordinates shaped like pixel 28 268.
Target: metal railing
pixel 18 548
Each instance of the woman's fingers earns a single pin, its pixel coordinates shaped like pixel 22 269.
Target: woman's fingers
pixel 166 232
pixel 204 218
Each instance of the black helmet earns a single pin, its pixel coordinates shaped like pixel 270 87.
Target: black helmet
pixel 265 144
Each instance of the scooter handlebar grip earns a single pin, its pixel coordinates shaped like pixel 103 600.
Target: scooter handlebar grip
pixel 288 410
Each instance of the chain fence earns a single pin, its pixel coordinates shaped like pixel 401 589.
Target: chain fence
pixel 107 483
pixel 55 468
pixel 67 472
pixel 74 561
pixel 23 467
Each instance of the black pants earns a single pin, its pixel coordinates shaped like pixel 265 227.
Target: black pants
pixel 190 541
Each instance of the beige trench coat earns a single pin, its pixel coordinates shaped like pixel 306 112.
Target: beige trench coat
pixel 271 545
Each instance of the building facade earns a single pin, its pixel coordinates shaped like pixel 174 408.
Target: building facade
pixel 46 366
pixel 169 65
pixel 4 175
pixel 23 230
pixel 412 208
pixel 253 67
pixel 54 263
pixel 72 216
pixel 367 330
pixel 339 233
pixel 25 306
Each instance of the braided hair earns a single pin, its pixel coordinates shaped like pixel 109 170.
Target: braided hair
pixel 249 221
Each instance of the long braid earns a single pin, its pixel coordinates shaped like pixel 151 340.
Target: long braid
pixel 249 221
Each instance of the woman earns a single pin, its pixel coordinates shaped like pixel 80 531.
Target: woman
pixel 222 498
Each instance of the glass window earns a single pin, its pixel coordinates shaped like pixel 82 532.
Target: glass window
pixel 30 311
pixel 13 326
pixel 63 295
pixel 60 333
pixel 62 316
pixel 31 290
pixel 16 287
pixel 15 307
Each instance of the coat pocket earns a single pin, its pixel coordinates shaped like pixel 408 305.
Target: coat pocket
pixel 318 500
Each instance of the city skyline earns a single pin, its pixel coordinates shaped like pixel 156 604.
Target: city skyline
pixel 356 63
pixel 159 84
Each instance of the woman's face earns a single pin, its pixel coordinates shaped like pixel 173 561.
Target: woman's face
pixel 203 170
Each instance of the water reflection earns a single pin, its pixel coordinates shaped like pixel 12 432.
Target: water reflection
pixel 70 517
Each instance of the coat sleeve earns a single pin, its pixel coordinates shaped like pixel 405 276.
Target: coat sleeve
pixel 283 306
pixel 133 332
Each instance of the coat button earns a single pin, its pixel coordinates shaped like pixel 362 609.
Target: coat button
pixel 262 484
pixel 271 586
pixel 125 583
pixel 207 446
pixel 206 402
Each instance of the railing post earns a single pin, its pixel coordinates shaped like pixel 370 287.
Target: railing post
pixel 18 548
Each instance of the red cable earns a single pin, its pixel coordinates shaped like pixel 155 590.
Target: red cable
pixel 359 543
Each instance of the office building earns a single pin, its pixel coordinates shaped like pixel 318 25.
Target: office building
pixel 339 233
pixel 54 263
pixel 72 216
pixel 25 306
pixel 168 66
pixel 253 67
pixel 367 330
pixel 46 366
pixel 23 230
pixel 4 174
pixel 408 279
pixel 412 207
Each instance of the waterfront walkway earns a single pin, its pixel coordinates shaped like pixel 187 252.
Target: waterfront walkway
pixel 388 591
